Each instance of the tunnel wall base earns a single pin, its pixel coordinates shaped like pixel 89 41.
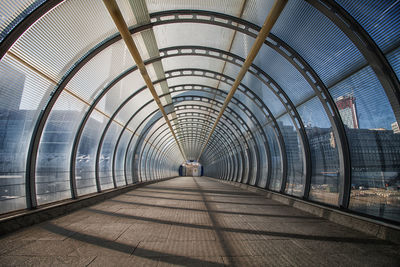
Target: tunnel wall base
pixel 373 227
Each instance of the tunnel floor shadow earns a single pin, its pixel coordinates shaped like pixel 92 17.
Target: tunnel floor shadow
pixel 191 221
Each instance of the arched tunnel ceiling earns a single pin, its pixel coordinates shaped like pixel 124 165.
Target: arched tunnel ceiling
pixel 325 78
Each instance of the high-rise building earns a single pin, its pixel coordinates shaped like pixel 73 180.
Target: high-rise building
pixel 347 108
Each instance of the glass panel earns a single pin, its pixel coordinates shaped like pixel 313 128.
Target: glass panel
pixel 143 162
pixel 256 86
pixel 317 40
pixel 52 47
pixel 232 71
pixel 262 179
pixel 231 7
pixel 265 93
pixel 233 167
pixel 101 70
pixel 141 116
pixel 148 124
pixel 295 86
pixel 245 163
pixel 105 163
pixel 22 93
pixel 252 161
pixel 131 174
pixel 13 12
pixel 276 162
pixel 150 166
pixel 87 148
pixel 379 18
pixel 53 163
pixel 374 140
pixel 147 152
pixel 138 168
pixel 119 159
pixel 178 34
pixel 256 11
pixel 192 80
pixel 262 164
pixel 155 131
pixel 133 125
pixel 295 178
pixel 110 103
pixel 195 62
pixel 324 154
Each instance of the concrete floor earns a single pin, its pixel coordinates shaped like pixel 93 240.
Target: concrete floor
pixel 193 222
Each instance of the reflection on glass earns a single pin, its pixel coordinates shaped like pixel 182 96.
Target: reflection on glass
pixel 14 124
pixel 119 160
pixel 253 163
pixel 21 93
pixel 295 177
pixel 276 163
pixel 324 155
pixel 105 161
pixel 325 165
pixel 374 139
pixel 85 161
pixel 262 180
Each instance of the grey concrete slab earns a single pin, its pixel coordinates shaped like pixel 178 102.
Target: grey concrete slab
pixel 193 261
pixel 193 222
pixel 45 261
pixel 8 245
pixel 107 261
pixel 183 233
pixel 145 232
pixel 46 248
pixel 257 261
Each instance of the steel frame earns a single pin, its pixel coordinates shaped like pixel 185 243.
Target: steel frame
pixel 189 126
pixel 333 11
pixel 178 108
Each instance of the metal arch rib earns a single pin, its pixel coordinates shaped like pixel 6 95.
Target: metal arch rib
pixel 198 136
pixel 203 123
pixel 127 123
pixel 257 125
pixel 238 171
pixel 142 136
pixel 127 148
pixel 161 133
pixel 151 115
pixel 271 116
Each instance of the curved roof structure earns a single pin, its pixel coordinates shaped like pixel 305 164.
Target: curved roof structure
pixel 314 116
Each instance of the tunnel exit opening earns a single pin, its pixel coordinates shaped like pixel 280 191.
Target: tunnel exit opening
pixel 191 168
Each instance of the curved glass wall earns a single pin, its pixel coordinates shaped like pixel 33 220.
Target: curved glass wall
pixel 22 92
pixel 315 117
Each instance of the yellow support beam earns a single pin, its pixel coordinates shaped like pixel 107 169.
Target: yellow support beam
pixel 269 22
pixel 119 21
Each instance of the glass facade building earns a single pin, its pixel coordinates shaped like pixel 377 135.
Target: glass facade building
pixel 315 117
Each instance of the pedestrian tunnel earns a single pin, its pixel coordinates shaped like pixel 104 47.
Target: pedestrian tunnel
pixel 298 98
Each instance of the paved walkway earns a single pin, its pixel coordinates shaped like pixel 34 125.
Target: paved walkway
pixel 193 222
